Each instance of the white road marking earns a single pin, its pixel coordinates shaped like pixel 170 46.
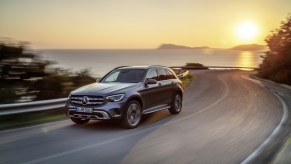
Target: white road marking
pixel 277 130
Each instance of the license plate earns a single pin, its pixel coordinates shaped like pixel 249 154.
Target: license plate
pixel 84 110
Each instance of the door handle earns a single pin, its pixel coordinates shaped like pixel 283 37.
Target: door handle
pixel 159 84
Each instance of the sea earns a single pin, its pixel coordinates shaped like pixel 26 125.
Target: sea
pixel 99 62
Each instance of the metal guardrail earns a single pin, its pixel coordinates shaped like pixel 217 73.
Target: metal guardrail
pixel 36 106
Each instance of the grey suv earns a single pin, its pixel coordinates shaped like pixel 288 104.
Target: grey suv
pixel 126 93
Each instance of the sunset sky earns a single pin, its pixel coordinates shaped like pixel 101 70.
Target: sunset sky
pixel 140 23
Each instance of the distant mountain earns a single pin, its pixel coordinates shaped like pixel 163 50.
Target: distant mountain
pixel 250 47
pixel 243 47
pixel 173 46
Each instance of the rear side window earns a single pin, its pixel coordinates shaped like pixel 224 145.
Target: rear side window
pixel 152 74
pixel 171 74
pixel 162 74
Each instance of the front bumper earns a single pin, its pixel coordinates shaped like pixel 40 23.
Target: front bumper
pixel 96 115
pixel 106 111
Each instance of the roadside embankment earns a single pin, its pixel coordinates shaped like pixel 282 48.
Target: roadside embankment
pixel 280 149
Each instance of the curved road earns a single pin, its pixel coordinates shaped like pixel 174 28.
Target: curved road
pixel 225 117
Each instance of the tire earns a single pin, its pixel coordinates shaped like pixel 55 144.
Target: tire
pixel 79 121
pixel 132 115
pixel 176 105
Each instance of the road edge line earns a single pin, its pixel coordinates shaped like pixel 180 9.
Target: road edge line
pixel 273 135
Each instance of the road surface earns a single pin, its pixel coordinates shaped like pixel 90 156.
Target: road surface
pixel 225 117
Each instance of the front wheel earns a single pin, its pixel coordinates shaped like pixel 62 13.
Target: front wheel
pixel 79 121
pixel 132 115
pixel 176 104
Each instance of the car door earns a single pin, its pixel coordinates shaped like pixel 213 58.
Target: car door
pixel 165 85
pixel 150 93
pixel 172 85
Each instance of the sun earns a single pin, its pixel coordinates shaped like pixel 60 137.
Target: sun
pixel 247 30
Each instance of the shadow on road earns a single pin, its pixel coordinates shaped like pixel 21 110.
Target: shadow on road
pixel 118 142
pixel 153 119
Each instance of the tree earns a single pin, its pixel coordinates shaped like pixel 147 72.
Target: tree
pixel 18 65
pixel 276 64
pixel 82 78
pixel 59 84
pixel 23 76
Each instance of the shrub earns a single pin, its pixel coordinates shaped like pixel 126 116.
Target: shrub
pixel 276 64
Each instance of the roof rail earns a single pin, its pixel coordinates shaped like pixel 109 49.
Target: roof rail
pixel 120 67
pixel 157 66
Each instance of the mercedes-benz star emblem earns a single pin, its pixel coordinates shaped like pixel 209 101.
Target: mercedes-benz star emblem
pixel 85 100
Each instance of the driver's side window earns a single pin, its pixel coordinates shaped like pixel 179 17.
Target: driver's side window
pixel 152 74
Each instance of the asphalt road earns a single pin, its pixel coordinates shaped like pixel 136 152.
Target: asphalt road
pixel 225 117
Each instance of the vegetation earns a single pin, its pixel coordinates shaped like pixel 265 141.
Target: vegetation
pixel 186 81
pixel 195 66
pixel 25 77
pixel 58 84
pixel 276 64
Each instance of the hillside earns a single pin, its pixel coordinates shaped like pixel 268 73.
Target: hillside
pixel 173 46
pixel 249 47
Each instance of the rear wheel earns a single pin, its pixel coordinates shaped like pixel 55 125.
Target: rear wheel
pixel 132 115
pixel 176 104
pixel 79 121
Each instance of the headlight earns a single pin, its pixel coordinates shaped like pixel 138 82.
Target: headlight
pixel 115 98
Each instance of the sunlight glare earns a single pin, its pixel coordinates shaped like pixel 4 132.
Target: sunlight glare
pixel 247 30
pixel 246 59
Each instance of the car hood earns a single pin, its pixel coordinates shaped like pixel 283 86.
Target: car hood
pixel 104 89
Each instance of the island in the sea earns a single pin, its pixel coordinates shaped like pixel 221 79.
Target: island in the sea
pixel 250 47
pixel 243 47
pixel 173 46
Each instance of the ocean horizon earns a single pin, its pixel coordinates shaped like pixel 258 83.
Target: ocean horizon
pixel 100 61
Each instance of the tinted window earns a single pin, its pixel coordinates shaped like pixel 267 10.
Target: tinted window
pixel 125 76
pixel 152 74
pixel 171 74
pixel 162 74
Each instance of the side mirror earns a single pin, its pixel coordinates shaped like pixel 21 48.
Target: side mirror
pixel 151 81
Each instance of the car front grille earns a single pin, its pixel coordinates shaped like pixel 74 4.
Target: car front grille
pixel 87 100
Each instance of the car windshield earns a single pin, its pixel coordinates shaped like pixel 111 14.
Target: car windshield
pixel 125 76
